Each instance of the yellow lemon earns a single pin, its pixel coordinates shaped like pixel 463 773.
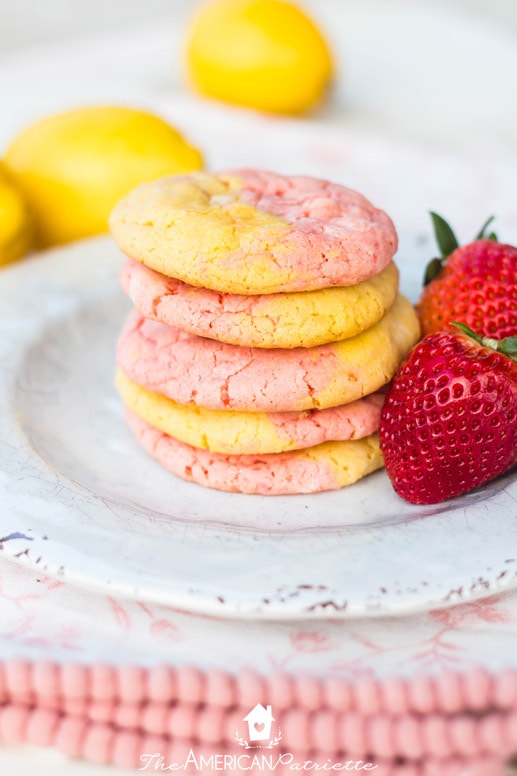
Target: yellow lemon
pixel 15 225
pixel 74 167
pixel 265 54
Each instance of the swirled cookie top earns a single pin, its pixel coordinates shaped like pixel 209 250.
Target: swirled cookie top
pixel 251 232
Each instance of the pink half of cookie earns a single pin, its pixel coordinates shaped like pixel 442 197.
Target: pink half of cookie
pixel 340 237
pixel 326 467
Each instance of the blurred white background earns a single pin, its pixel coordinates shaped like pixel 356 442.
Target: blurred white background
pixel 440 73
pixel 25 22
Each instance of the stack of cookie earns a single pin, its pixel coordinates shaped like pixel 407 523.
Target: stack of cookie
pixel 267 322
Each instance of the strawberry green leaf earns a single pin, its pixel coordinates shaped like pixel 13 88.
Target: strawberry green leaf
pixel 507 346
pixel 469 332
pixel 445 237
pixel 492 236
pixel 481 234
pixel 432 270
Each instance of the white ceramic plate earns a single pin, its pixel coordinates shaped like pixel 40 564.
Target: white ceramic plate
pixel 80 498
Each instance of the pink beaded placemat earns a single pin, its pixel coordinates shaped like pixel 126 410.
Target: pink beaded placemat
pixel 140 685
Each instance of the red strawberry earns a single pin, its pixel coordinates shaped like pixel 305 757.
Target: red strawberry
pixel 449 420
pixel 475 283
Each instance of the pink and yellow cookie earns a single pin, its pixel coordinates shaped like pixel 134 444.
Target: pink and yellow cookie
pixel 211 374
pixel 250 232
pixel 234 432
pixel 328 466
pixel 290 320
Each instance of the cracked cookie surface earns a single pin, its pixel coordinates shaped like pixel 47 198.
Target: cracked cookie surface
pixel 218 376
pixel 232 431
pixel 328 466
pixel 289 320
pixel 252 232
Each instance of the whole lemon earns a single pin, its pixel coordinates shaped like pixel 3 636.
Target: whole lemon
pixel 74 167
pixel 15 225
pixel 264 54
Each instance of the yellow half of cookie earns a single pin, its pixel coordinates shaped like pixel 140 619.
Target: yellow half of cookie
pixel 310 318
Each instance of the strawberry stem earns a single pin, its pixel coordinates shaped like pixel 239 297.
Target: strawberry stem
pixel 506 346
pixel 481 234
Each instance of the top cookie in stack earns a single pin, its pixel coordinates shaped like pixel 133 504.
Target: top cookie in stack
pixel 267 320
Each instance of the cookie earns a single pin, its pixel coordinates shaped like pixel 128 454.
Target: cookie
pixel 229 431
pixel 250 232
pixel 211 374
pixel 328 466
pixel 291 320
